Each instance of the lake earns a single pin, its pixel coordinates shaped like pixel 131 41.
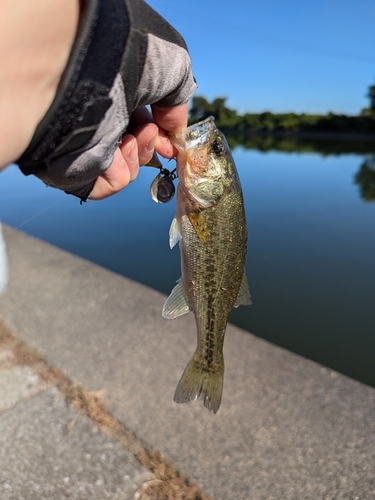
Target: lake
pixel 311 251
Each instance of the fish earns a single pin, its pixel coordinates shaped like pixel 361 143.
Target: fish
pixel 210 226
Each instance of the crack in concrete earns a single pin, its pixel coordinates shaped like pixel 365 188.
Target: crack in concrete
pixel 168 483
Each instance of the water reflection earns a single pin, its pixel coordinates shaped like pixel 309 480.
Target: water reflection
pixel 330 145
pixel 365 178
pixel 310 264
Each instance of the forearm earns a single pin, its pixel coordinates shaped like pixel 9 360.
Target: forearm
pixel 35 43
pixel 124 55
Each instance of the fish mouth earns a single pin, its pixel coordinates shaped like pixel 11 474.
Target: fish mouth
pixel 198 134
pixel 194 136
pixel 192 146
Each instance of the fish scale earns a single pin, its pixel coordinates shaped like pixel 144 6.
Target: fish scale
pixel 212 270
pixel 211 227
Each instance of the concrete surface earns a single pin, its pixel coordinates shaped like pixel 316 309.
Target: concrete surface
pixel 18 383
pixel 287 428
pixel 48 451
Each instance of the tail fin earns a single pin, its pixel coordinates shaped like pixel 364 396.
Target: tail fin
pixel 199 381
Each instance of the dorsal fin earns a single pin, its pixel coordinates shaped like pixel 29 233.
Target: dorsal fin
pixel 243 297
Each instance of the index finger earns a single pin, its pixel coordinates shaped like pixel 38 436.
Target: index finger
pixel 173 119
pixel 169 120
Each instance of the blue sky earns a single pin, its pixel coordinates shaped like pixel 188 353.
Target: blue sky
pixel 291 55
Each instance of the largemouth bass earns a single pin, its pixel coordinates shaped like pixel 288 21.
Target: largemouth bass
pixel 211 228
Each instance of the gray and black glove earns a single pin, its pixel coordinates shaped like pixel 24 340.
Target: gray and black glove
pixel 125 55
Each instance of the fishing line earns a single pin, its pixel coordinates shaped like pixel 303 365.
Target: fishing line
pixel 39 213
pixel 4 255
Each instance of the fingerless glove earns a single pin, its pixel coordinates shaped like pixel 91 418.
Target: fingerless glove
pixel 125 55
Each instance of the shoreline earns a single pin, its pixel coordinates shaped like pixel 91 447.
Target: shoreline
pixel 351 136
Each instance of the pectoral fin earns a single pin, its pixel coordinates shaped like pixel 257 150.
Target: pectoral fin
pixel 243 297
pixel 174 233
pixel 176 304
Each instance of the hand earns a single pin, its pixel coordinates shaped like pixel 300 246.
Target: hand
pixel 148 135
pixel 40 126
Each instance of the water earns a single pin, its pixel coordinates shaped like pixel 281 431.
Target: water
pixel 311 254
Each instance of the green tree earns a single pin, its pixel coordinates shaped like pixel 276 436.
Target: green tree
pixel 370 111
pixel 201 109
pixel 228 120
pixel 371 96
pixel 365 178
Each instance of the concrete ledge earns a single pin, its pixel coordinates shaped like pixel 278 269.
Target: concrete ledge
pixel 48 451
pixel 287 428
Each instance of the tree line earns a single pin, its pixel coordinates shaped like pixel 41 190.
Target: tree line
pixel 229 120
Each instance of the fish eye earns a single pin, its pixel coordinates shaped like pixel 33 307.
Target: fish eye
pixel 217 147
